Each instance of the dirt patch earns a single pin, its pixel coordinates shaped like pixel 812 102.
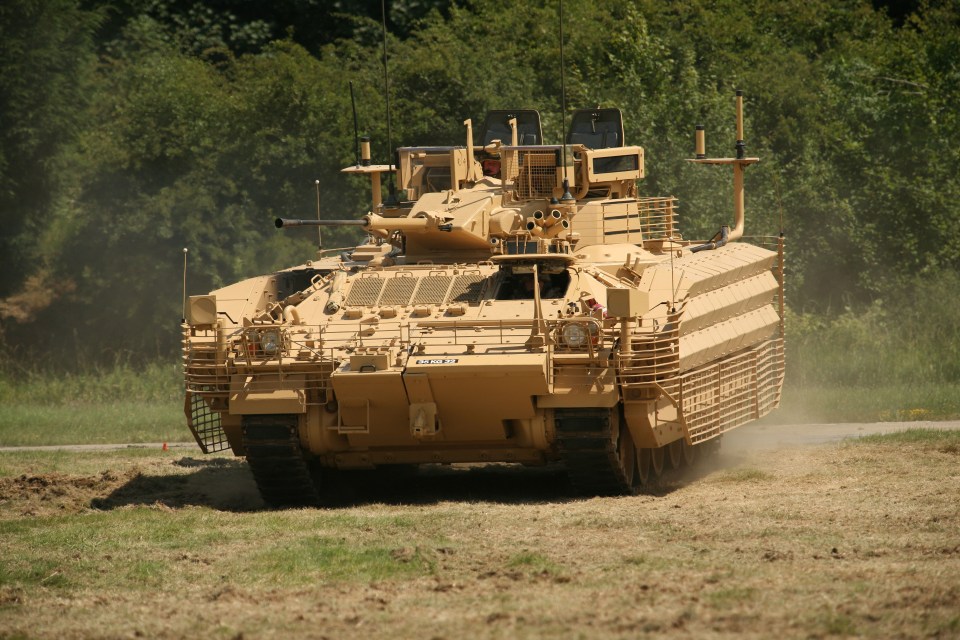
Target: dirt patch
pixel 41 494
pixel 836 540
pixel 219 483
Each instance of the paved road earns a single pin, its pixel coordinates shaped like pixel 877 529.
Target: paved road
pixel 104 447
pixel 756 436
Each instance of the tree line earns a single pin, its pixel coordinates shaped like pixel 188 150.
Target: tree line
pixel 130 130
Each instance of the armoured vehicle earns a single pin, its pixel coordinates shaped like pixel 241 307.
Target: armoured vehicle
pixel 514 301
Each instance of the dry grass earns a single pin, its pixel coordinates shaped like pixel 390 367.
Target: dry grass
pixel 855 539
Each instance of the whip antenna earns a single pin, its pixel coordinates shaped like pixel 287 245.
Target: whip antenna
pixel 391 197
pixel 184 318
pixel 319 237
pixel 673 286
pixel 566 197
pixel 776 184
pixel 356 129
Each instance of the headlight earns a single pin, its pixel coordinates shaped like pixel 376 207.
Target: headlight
pixel 576 335
pixel 270 341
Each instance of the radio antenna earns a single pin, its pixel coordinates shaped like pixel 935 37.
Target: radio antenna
pixel 776 184
pixel 391 197
pixel 317 183
pixel 356 129
pixel 184 319
pixel 566 197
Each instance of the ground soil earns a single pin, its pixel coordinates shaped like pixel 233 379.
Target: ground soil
pixel 766 539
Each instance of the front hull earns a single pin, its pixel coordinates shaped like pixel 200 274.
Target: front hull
pixel 482 390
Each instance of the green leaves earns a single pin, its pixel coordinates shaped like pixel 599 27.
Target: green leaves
pixel 129 135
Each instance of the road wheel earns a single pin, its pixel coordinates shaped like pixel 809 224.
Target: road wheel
pixel 643 467
pixel 675 453
pixel 627 454
pixel 657 457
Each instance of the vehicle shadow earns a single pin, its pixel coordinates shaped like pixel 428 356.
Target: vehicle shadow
pixel 226 484
pixel 433 483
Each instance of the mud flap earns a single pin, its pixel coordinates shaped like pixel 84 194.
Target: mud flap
pixel 653 423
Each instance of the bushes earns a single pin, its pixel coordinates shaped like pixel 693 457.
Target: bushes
pixel 909 337
pixel 154 382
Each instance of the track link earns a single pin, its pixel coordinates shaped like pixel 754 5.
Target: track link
pixel 276 459
pixel 587 447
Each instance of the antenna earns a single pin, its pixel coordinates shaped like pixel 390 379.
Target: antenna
pixel 567 196
pixel 741 145
pixel 673 286
pixel 776 184
pixel 726 234
pixel 184 318
pixel 356 131
pixel 391 196
pixel 317 183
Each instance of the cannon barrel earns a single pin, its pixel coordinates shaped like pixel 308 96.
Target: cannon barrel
pixel 293 222
pixel 369 223
pixel 379 223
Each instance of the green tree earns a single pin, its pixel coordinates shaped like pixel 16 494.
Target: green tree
pixel 133 132
pixel 46 70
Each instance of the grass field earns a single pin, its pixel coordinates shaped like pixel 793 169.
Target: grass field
pixel 116 404
pixel 804 404
pixel 856 539
pixel 126 405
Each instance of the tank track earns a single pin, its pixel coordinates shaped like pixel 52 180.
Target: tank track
pixel 277 462
pixel 584 439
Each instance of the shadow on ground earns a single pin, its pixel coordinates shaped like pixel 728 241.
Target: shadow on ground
pixel 227 485
pixel 220 483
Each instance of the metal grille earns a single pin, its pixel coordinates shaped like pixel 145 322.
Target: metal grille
pixel 770 370
pixel 205 423
pixel 653 364
pixel 655 219
pixel 738 391
pixel 364 292
pixel 467 288
pixel 398 291
pixel 537 176
pixel 701 411
pixel 203 376
pixel 727 394
pixel 658 217
pixel 432 289
pixel 510 164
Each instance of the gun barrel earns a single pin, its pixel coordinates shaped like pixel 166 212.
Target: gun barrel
pixel 379 223
pixel 293 222
pixel 373 223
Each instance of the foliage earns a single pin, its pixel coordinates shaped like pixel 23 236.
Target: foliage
pixel 910 337
pixel 131 130
pixel 46 68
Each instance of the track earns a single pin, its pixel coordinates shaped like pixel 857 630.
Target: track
pixel 586 445
pixel 277 462
pixel 600 465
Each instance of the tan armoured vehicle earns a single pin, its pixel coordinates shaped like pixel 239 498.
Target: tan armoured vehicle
pixel 515 302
